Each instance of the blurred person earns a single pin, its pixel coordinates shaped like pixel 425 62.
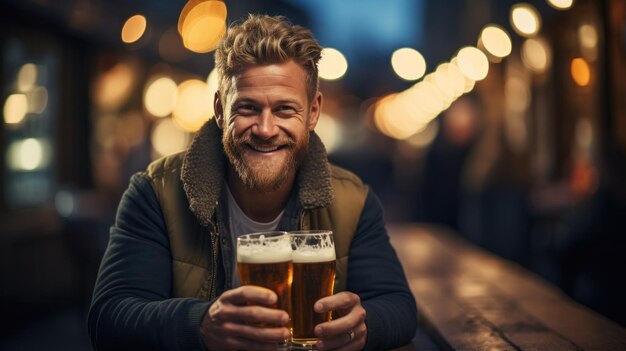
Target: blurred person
pixel 167 280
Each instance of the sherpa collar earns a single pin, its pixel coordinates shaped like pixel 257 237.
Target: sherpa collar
pixel 204 172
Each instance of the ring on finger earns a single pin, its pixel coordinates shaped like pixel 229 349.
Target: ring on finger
pixel 350 335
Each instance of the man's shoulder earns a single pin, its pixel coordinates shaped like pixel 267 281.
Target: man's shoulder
pixel 167 164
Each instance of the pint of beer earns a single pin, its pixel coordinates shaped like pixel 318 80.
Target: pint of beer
pixel 313 278
pixel 264 259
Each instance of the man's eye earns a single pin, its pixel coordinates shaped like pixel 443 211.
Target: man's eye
pixel 246 108
pixel 285 108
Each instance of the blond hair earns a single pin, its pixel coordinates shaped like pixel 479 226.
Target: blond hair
pixel 262 39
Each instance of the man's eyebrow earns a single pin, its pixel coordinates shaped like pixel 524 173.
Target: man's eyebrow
pixel 288 101
pixel 244 100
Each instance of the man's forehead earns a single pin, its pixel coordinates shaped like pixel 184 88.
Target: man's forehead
pixel 290 70
pixel 287 75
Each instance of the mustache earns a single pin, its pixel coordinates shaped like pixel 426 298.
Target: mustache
pixel 277 141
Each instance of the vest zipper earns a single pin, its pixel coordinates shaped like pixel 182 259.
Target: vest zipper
pixel 214 253
pixel 303 225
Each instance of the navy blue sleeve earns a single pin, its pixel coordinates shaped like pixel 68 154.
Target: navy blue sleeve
pixel 132 308
pixel 375 274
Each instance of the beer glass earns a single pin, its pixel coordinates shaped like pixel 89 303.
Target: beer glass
pixel 264 259
pixel 313 278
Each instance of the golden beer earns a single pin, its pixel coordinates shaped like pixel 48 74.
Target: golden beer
pixel 313 278
pixel 264 259
pixel 275 276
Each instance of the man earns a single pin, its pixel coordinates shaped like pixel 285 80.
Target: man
pixel 167 280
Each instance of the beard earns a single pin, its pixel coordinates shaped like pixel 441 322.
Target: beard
pixel 260 173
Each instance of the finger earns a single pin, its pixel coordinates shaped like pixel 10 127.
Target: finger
pixel 333 342
pixel 252 314
pixel 250 294
pixel 254 333
pixel 339 301
pixel 343 342
pixel 351 321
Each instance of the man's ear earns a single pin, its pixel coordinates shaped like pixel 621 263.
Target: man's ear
pixel 218 107
pixel 316 110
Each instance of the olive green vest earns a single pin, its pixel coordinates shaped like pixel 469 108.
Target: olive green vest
pixel 194 246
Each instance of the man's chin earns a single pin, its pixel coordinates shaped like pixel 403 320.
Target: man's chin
pixel 265 183
pixel 264 177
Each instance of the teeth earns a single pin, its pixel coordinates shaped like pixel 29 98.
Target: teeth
pixel 264 149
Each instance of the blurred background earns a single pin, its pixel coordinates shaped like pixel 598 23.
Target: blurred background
pixel 503 120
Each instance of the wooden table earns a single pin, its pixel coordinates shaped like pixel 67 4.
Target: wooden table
pixel 469 299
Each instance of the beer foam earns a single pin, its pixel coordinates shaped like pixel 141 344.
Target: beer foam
pixel 256 254
pixel 314 255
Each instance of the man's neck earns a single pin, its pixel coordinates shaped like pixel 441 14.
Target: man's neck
pixel 258 205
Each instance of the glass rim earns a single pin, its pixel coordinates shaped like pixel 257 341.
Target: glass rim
pixel 309 232
pixel 268 235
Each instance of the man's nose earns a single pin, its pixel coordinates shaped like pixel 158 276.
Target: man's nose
pixel 265 127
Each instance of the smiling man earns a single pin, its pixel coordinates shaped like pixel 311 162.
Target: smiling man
pixel 167 280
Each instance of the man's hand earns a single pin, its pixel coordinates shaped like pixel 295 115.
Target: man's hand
pixel 348 332
pixel 233 320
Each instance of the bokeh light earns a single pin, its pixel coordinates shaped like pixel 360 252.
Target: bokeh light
pixel 408 64
pixel 329 131
pixel 160 97
pixel 449 86
pixel 473 63
pixel 194 105
pixel 536 54
pixel 26 77
pixel 588 39
pixel 26 155
pixel 561 4
pixel 525 19
pixel 469 85
pixel 15 108
pixel 425 137
pixel 64 203
pixel 496 40
pixel 167 138
pixel 456 78
pixel 134 28
pixel 333 64
pixel 202 24
pixel 113 87
pixel 581 73
pixel 398 117
pixel 588 36
pixel 212 83
pixel 584 133
pixel 37 100
pixel 381 114
pixel 428 98
pixel 517 94
pixel 442 82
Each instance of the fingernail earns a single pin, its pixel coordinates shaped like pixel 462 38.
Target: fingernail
pixel 319 345
pixel 318 331
pixel 271 298
pixel 319 307
pixel 286 335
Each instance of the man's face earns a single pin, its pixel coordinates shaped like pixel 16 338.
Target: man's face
pixel 266 119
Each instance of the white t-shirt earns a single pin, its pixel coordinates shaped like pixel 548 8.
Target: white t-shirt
pixel 241 224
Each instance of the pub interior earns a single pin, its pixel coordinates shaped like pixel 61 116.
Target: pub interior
pixel 493 131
